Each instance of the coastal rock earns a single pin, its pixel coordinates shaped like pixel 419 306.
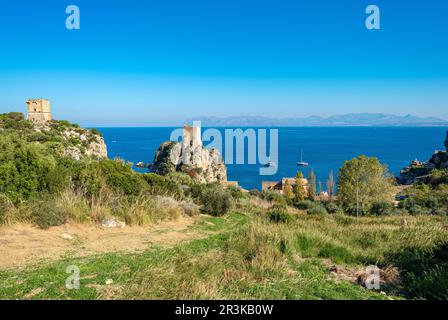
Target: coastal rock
pixel 418 170
pixel 198 162
pixel 80 142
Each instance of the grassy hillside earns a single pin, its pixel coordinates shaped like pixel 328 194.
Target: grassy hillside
pixel 246 256
pixel 250 245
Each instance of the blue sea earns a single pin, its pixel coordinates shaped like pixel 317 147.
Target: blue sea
pixel 324 148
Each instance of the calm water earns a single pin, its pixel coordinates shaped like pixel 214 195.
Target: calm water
pixel 324 148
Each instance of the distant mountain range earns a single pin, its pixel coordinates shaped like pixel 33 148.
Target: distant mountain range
pixel 344 120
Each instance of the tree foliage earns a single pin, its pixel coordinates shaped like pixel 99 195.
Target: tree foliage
pixel 370 178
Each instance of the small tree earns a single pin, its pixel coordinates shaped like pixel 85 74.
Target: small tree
pixel 364 181
pixel 312 184
pixel 331 185
pixel 287 190
pixel 299 190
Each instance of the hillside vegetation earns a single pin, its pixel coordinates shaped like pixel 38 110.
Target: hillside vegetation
pixel 252 245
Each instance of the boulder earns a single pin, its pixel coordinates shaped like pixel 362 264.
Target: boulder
pixel 198 162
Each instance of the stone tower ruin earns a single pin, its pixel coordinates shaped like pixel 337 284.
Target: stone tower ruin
pixel 39 110
pixel 192 135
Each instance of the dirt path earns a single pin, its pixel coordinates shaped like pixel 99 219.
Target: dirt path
pixel 24 245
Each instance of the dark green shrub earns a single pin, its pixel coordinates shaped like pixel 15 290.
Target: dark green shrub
pixel 417 210
pixel 273 196
pixel 312 207
pixel 25 168
pixel 122 178
pixel 279 214
pixel 333 208
pixel 96 132
pixel 163 185
pixel 46 214
pixel 317 210
pixel 382 209
pixel 216 200
pixel 237 193
pixel 304 205
pixel 255 193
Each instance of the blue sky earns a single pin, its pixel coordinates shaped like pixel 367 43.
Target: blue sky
pixel 157 62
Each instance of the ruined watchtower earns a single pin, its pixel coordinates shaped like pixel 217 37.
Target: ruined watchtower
pixel 192 135
pixel 39 110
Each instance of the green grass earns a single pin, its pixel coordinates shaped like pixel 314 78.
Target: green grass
pixel 247 257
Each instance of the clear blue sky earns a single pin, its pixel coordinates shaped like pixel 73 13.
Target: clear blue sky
pixel 157 62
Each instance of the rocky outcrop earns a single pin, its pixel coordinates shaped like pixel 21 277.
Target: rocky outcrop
pixel 78 142
pixel 198 162
pixel 418 170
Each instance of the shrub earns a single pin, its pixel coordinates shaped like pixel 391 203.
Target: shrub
pixel 237 193
pixel 96 132
pixel 167 208
pixel 190 208
pixel 122 178
pixel 382 209
pixel 45 214
pixel 312 207
pixel 25 169
pixel 255 193
pixel 417 210
pixel 317 210
pixel 333 208
pixel 279 214
pixel 216 200
pixel 273 196
pixel 304 205
pixel 162 185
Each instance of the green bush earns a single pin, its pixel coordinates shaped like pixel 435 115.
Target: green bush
pixel 382 209
pixel 237 193
pixel 122 178
pixel 317 210
pixel 26 169
pixel 417 210
pixel 216 200
pixel 333 208
pixel 45 213
pixel 273 196
pixel 96 132
pixel 304 205
pixel 162 184
pixel 279 214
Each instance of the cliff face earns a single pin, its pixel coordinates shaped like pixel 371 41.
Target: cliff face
pixel 199 163
pixel 84 143
pixel 417 169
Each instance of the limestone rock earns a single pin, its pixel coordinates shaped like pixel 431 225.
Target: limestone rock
pixel 81 142
pixel 198 162
pixel 418 170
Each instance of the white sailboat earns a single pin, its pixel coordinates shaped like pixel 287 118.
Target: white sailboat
pixel 302 163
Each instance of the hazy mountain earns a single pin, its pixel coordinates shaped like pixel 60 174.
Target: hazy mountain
pixel 352 119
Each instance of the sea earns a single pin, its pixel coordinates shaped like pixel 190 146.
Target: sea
pixel 324 148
